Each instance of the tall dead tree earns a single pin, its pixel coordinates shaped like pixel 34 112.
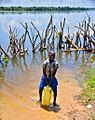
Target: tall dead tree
pixel 13 45
pixel 62 25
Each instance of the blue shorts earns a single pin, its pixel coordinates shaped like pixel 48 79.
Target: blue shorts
pixel 53 85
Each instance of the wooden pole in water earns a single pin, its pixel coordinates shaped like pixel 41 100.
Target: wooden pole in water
pixel 62 25
pixel 71 42
pixel 24 39
pixel 4 52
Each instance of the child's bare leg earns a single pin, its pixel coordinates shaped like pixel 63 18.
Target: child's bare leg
pixel 55 96
pixel 40 95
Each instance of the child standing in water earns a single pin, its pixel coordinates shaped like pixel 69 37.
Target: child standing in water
pixel 50 67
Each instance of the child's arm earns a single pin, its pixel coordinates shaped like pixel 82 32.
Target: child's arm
pixel 55 70
pixel 44 72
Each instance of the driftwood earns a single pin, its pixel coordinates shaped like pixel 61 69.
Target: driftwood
pixel 62 25
pixel 14 44
pixel 83 39
pixel 4 52
pixel 71 42
pixel 36 30
pixel 48 30
pixel 33 41
pixel 90 38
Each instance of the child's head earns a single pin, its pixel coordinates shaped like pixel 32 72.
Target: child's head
pixel 51 55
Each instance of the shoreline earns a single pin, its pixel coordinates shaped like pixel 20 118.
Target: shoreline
pixel 43 9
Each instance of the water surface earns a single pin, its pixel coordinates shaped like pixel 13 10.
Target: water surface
pixel 23 74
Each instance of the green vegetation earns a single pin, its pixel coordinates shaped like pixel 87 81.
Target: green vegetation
pixel 19 8
pixel 5 58
pixel 88 93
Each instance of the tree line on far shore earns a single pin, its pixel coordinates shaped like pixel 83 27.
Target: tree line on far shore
pixel 34 8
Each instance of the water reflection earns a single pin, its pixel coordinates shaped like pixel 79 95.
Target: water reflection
pixel 17 63
pixel 23 74
pixel 77 55
pixel 69 59
pixel 15 71
pixel 4 65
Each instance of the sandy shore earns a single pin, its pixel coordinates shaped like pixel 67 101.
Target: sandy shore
pixel 22 104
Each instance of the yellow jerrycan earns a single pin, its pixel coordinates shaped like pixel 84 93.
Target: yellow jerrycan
pixel 46 95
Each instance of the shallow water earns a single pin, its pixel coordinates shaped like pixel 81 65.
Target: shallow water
pixel 31 63
pixel 40 19
pixel 21 77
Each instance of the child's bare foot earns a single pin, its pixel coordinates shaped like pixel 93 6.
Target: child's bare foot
pixel 54 104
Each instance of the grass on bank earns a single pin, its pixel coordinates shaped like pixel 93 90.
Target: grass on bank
pixel 88 92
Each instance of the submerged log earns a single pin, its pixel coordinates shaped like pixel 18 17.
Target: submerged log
pixel 79 49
